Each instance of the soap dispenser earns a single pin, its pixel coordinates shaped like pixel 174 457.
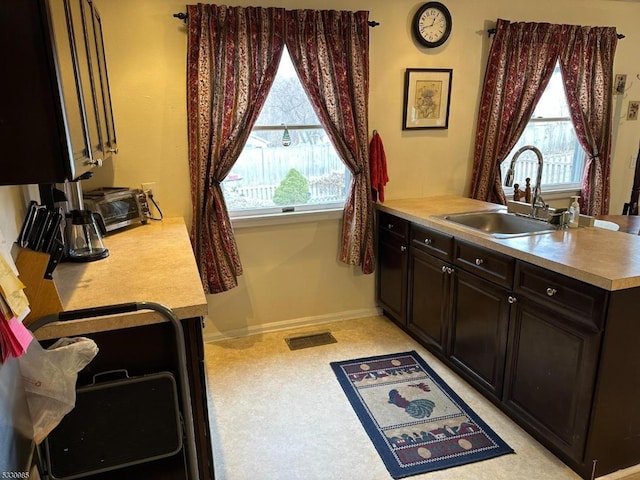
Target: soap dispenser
pixel 574 212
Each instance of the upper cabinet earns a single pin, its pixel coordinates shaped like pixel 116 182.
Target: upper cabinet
pixel 56 121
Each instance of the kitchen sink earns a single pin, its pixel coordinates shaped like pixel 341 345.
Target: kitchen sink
pixel 500 224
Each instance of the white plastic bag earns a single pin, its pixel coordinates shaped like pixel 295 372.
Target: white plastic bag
pixel 49 378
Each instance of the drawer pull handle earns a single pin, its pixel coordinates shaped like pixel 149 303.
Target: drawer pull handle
pixel 444 269
pixel 428 241
pixel 403 248
pixel 479 261
pixel 551 291
pixel 512 299
pixel 390 226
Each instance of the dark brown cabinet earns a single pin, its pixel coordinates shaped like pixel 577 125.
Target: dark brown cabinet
pixel 558 355
pixel 392 266
pixel 551 371
pixel 458 315
pixel 480 315
pixel 56 122
pixel 554 344
pixel 428 315
pixel 479 323
pixel 429 285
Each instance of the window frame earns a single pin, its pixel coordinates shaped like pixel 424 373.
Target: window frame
pixel 556 190
pixel 290 214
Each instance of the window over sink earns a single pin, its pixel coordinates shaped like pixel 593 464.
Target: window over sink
pixel 550 130
pixel 288 163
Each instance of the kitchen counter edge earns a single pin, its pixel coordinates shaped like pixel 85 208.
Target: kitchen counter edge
pixel 576 253
pixel 147 263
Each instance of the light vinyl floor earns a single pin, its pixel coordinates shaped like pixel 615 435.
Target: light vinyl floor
pixel 278 414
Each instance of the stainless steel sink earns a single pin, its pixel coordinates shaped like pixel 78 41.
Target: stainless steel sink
pixel 500 224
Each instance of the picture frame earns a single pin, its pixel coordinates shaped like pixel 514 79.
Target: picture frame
pixel 427 98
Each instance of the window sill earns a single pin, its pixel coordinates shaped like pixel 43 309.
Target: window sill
pixel 287 218
pixel 551 193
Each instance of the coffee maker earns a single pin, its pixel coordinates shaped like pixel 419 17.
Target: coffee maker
pixel 83 229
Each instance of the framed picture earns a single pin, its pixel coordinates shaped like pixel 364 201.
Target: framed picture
pixel 427 94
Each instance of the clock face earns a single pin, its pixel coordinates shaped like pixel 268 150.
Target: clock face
pixel 432 24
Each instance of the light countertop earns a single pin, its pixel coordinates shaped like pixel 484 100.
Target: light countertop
pixel 601 257
pixel 150 263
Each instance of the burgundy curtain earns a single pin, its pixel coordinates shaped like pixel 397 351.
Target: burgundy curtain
pixel 521 62
pixel 587 72
pixel 232 57
pixel 330 52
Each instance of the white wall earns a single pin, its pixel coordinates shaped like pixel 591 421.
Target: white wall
pixel 291 272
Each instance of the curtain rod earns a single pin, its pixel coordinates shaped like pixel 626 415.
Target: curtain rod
pixel 492 31
pixel 183 16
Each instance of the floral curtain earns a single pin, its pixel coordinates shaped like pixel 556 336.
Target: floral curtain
pixel 521 62
pixel 330 52
pixel 587 70
pixel 232 58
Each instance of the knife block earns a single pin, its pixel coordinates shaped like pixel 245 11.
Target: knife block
pixel 41 292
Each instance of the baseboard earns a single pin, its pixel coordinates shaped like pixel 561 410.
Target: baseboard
pixel 292 323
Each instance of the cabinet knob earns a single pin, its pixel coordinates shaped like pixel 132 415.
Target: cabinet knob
pixel 551 291
pixel 444 269
pixel 512 299
pixel 450 270
pixel 96 162
pixel 403 248
pixel 113 150
pixel 479 261
pixel 428 241
pixel 390 226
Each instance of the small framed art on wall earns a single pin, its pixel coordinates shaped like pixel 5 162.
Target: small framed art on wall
pixel 427 96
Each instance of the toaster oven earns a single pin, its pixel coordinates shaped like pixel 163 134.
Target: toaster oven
pixel 119 207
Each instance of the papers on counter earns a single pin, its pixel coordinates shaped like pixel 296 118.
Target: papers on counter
pixel 14 338
pixel 14 307
pixel 12 290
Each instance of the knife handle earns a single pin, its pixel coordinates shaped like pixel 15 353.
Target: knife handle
pixel 52 232
pixel 42 233
pixel 54 260
pixel 27 225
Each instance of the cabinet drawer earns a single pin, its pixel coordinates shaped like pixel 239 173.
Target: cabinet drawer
pixel 485 263
pixel 431 241
pixel 396 225
pixel 585 303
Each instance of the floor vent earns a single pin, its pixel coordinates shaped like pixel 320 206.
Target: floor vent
pixel 310 340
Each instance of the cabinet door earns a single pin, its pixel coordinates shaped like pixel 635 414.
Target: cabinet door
pixel 550 374
pixel 32 130
pixel 392 276
pixel 428 309
pixel 479 323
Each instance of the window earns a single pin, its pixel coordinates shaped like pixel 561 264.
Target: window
pixel 288 163
pixel 551 131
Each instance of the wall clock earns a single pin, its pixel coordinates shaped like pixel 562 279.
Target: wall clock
pixel 432 24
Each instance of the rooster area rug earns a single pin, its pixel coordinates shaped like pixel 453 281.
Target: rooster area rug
pixel 416 422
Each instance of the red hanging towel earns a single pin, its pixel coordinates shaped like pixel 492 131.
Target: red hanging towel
pixel 377 168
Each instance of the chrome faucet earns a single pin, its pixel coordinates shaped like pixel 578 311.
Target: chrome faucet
pixel 537 203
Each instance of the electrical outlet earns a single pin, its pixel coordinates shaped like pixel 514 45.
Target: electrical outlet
pixel 620 83
pixel 632 112
pixel 148 188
